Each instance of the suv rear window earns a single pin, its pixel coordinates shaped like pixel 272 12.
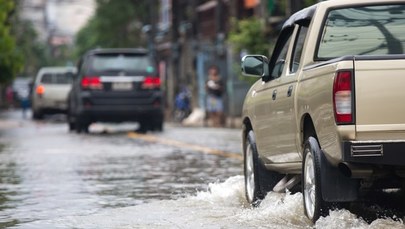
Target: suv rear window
pixel 129 63
pixel 56 78
pixel 366 30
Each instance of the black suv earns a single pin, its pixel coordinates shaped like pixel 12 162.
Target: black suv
pixel 116 85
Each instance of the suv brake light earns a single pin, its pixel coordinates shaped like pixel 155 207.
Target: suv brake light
pixel 91 82
pixel 342 97
pixel 151 82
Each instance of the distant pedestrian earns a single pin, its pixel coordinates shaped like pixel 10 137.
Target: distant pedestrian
pixel 183 104
pixel 25 102
pixel 215 89
pixel 10 96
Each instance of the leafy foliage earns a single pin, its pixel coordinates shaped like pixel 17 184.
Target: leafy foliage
pixel 115 24
pixel 11 61
pixel 310 2
pixel 248 34
pixel 35 54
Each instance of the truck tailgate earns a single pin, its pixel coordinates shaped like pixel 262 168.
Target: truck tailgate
pixel 57 92
pixel 380 99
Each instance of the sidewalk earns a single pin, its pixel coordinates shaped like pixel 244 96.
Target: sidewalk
pixel 8 120
pixel 196 119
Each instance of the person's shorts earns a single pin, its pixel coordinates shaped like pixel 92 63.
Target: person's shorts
pixel 214 104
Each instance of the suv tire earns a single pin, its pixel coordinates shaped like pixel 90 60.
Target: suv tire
pixel 82 125
pixel 71 122
pixel 158 126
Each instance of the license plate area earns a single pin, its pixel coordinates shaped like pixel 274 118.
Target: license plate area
pixel 122 86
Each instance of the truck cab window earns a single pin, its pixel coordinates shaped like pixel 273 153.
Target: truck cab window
pixel 366 30
pixel 279 57
pixel 298 46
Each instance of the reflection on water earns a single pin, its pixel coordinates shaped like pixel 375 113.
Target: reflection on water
pixel 46 173
pixel 49 179
pixel 9 183
pixel 223 205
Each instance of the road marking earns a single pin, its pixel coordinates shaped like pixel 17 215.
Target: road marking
pixel 199 148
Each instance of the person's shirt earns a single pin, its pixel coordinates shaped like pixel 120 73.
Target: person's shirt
pixel 215 87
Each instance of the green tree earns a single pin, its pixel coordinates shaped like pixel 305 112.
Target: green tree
pixel 11 61
pixel 115 24
pixel 310 2
pixel 35 53
pixel 249 35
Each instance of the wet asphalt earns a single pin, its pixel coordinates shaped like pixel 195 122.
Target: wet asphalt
pixel 47 172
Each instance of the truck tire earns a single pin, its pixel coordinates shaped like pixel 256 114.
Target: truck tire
pixel 314 205
pixel 37 115
pixel 258 180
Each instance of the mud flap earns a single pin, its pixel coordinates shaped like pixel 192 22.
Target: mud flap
pixel 336 187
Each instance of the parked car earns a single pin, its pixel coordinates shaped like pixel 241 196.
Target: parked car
pixel 116 85
pixel 51 88
pixel 328 108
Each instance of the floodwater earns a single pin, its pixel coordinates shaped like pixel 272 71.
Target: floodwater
pixel 221 206
pixel 50 178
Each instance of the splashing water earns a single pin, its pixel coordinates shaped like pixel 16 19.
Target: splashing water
pixel 223 205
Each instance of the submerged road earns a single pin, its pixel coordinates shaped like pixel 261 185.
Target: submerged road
pixel 116 178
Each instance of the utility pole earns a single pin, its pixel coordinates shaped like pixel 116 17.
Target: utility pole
pixel 152 32
pixel 221 52
pixel 193 34
pixel 175 56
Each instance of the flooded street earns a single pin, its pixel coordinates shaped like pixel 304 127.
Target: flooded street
pixel 113 178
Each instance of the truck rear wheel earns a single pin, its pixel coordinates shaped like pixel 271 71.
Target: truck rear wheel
pixel 258 180
pixel 314 205
pixel 37 115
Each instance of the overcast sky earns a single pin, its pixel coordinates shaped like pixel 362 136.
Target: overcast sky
pixel 68 16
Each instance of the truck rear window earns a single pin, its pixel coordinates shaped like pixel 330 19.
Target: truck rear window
pixel 121 63
pixel 366 30
pixel 56 78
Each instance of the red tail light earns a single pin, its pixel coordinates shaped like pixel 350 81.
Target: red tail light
pixel 151 82
pixel 91 82
pixel 342 97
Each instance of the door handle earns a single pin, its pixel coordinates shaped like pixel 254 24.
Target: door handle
pixel 289 92
pixel 274 95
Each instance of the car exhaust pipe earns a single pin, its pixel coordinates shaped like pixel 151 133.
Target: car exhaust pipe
pixel 288 182
pixel 353 171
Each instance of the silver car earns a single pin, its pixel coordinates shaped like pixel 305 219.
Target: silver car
pixel 51 88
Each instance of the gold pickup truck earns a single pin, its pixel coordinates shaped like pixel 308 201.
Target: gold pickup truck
pixel 328 112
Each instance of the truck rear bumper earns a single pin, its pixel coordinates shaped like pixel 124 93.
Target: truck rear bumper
pixel 375 152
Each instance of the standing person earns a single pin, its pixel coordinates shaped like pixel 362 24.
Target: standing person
pixel 25 102
pixel 10 96
pixel 215 89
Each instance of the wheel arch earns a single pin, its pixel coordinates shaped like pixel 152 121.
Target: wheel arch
pixel 307 128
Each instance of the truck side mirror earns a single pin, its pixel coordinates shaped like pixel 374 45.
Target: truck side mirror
pixel 255 66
